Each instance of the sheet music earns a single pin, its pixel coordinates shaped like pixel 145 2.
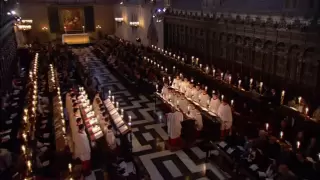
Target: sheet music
pixel 254 167
pixel 123 128
pixel 223 144
pixel 113 112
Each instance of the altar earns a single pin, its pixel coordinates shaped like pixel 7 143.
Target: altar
pixel 80 38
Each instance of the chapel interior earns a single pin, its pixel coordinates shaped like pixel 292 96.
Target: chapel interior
pixel 160 89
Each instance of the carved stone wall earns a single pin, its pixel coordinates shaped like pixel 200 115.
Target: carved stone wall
pixel 275 50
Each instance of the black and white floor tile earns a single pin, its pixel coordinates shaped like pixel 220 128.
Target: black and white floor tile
pixel 149 135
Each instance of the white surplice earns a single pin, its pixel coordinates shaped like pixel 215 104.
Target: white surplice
pixel 225 114
pixel 183 87
pixel 196 115
pixel 214 104
pixel 174 124
pixel 183 104
pixel 176 83
pixel 189 92
pixel 195 96
pixel 111 139
pixel 165 92
pixel 204 100
pixel 82 147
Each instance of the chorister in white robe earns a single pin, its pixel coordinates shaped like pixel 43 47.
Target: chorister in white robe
pixel 165 92
pixel 111 139
pixel 82 147
pixel 174 124
pixel 183 104
pixel 214 104
pixel 183 86
pixel 176 83
pixel 204 100
pixel 225 114
pixel 189 91
pixel 196 94
pixel 196 115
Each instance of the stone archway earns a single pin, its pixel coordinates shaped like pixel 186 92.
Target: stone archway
pixel 268 57
pixel 294 53
pixel 257 54
pixel 280 60
pixel 309 67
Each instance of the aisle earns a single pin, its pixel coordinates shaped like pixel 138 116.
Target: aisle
pixel 149 135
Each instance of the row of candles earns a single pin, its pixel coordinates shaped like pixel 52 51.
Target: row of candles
pixel 29 115
pixel 195 61
pixel 53 76
pixel 116 104
pixel 281 135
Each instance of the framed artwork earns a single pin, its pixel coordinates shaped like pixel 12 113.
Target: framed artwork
pixel 72 19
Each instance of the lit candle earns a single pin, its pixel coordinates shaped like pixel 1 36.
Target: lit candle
pixel 174 68
pixel 206 88
pixel 29 165
pixel 181 75
pixel 188 108
pixel 261 85
pixel 299 99
pixel 298 144
pixel 221 76
pixel 70 167
pixel 283 93
pixel 200 66
pixel 197 60
pixel 117 104
pixel 109 92
pixel 230 79
pixel 24 136
pixel 222 96
pixel 156 87
pixel 166 69
pixel 281 134
pixel 121 111
pixel 182 59
pixel 174 55
pixel 232 102
pixel 169 78
pixel 267 126
pixel 163 79
pixel 25 119
pixel 307 110
pixel 23 148
pixel 192 80
pixel 83 29
pixel 207 69
pixel 239 84
pixel 144 58
pixel 65 29
pixel 178 57
pixel 251 81
pixel 214 72
pixel 161 67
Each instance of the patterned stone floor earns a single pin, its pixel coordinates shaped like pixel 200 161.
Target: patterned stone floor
pixel 149 134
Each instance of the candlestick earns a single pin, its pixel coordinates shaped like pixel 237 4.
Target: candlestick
pixel 230 79
pixel 282 97
pixel 29 165
pixel 221 76
pixel 174 55
pixel 121 111
pixel 206 88
pixel 70 167
pixel 200 66
pixel 182 59
pixel 109 92
pixel 23 148
pixel 222 96
pixel 65 29
pixel 281 134
pixel 239 84
pixel 181 75
pixel 267 126
pixel 207 69
pixel 161 68
pixel 298 144
pixel 307 110
pixel 232 101
pixel 191 80
pixel 163 79
pixel 83 29
pixel 261 85
pixel 178 57
pixel 213 72
pixel 299 99
pixel 166 70
pixel 156 87
pixel 197 60
pixel 117 104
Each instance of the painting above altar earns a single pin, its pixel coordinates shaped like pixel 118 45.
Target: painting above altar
pixel 71 19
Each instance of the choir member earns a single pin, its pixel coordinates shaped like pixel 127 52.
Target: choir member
pixel 111 139
pixel 316 115
pixel 189 91
pixel 183 104
pixel 184 85
pixel 82 148
pixel 174 120
pixel 165 91
pixel 196 94
pixel 176 82
pixel 214 103
pixel 225 114
pixel 196 115
pixel 204 99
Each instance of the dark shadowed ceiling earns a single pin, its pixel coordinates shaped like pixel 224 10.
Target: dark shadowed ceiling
pixel 70 1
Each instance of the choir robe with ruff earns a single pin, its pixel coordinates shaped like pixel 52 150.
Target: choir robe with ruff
pixel 176 83
pixel 204 100
pixel 196 115
pixel 82 147
pixel 174 124
pixel 225 114
pixel 195 96
pixel 214 104
pixel 189 92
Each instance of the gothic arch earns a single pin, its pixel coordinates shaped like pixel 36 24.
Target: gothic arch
pixel 257 44
pixel 280 48
pixel 268 46
pixel 294 54
pixel 268 57
pixel 310 67
pixel 238 40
